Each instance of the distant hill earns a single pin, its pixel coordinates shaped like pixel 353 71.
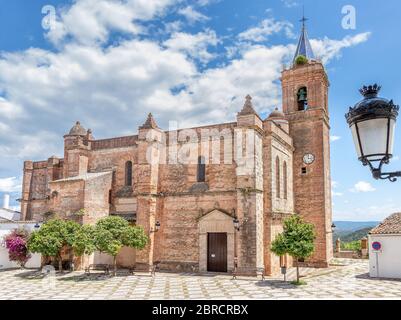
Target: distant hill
pixel 350 226
pixel 349 231
pixel 349 236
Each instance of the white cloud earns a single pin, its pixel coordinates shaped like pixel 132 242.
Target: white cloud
pixel 91 21
pixel 334 185
pixel 172 27
pixel 334 138
pixel 337 194
pixel 362 186
pixel 203 3
pixel 111 88
pixel 195 45
pixel 327 49
pixel 11 184
pixel 9 110
pixel 192 15
pixel 290 3
pixel 368 213
pixel 266 28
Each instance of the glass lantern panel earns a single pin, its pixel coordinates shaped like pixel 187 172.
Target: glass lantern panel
pixel 356 142
pixel 391 142
pixel 373 136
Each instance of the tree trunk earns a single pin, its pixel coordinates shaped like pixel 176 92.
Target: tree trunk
pixel 296 263
pixel 60 263
pixel 115 265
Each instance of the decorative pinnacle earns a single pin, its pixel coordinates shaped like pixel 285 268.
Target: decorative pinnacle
pixel 150 123
pixel 370 91
pixel 248 107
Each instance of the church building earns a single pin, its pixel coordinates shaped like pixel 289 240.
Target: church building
pixel 216 209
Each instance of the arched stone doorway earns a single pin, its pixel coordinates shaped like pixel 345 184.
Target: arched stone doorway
pixel 213 226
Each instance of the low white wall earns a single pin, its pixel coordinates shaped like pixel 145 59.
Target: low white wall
pixel 385 263
pixel 5 229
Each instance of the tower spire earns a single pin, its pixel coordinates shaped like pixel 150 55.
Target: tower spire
pixel 304 47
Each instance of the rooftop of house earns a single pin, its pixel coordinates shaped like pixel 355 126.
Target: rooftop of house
pixel 391 225
pixel 9 215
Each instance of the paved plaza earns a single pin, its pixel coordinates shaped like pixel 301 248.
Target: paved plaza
pixel 345 279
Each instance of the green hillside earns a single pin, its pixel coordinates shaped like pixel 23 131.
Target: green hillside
pixel 350 240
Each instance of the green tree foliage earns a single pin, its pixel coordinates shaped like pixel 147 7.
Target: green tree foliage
pixel 83 242
pixel 52 237
pixel 297 240
pixel 353 245
pixel 113 233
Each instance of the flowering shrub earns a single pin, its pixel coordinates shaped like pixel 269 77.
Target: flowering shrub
pixel 16 243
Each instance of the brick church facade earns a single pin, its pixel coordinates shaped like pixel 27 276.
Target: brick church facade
pixel 285 170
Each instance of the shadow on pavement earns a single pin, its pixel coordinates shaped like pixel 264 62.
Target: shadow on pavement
pixel 276 284
pixel 368 277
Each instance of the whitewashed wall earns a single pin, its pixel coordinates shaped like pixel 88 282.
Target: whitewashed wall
pixel 5 229
pixel 387 262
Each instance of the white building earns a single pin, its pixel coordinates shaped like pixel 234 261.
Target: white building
pixel 9 221
pixel 385 248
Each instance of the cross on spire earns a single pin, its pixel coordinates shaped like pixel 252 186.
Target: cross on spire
pixel 304 19
pixel 304 47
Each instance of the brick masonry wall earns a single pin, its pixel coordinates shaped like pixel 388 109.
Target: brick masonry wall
pixel 310 132
pixel 170 193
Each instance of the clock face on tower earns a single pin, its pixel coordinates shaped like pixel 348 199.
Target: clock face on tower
pixel 309 158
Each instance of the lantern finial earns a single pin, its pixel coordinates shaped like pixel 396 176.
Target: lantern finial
pixel 370 91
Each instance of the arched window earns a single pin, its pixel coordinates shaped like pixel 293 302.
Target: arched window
pixel 278 187
pixel 302 98
pixel 285 182
pixel 201 173
pixel 128 173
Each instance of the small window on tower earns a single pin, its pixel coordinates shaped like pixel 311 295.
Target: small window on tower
pixel 110 196
pixel 302 98
pixel 303 170
pixel 201 174
pixel 128 173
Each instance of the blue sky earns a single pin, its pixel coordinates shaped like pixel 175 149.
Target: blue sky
pixel 111 62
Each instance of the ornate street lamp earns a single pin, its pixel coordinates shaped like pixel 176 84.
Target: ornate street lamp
pixel 372 123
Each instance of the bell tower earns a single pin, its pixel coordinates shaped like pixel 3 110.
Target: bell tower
pixel 305 104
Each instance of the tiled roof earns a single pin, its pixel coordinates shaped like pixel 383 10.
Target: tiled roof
pixel 391 225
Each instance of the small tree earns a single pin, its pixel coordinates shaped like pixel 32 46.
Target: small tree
pixel 297 240
pixel 301 60
pixel 52 237
pixel 16 243
pixel 113 233
pixel 84 241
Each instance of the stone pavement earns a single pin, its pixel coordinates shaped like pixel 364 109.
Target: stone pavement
pixel 345 279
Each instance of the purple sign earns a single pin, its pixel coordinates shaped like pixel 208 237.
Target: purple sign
pixel 376 246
